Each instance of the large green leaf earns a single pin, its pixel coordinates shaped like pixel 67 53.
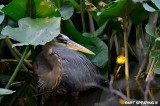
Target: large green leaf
pixel 17 9
pixel 5 92
pixel 45 8
pixel 156 68
pixel 98 32
pixel 66 10
pixel 154 53
pixel 89 41
pixel 100 49
pixel 139 15
pixel 70 30
pixel 118 9
pixel 100 29
pixel 33 31
pixel 148 7
pixel 75 4
pixel 151 30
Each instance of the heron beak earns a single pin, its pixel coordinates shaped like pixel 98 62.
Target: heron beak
pixel 75 46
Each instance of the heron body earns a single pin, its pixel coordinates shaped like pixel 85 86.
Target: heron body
pixel 64 70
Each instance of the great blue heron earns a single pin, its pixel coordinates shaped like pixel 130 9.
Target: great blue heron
pixel 64 70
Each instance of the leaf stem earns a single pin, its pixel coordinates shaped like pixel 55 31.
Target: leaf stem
pixel 32 52
pixel 75 4
pixel 82 16
pixel 17 68
pixel 59 3
pixel 125 26
pixel 150 72
pixel 8 41
pixel 109 55
pixel 91 23
pixel 15 52
pixel 143 63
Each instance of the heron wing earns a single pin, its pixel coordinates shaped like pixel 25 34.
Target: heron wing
pixel 49 74
pixel 78 72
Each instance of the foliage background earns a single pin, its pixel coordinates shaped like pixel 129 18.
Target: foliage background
pixel 108 28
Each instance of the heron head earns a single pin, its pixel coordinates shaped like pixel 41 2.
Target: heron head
pixel 63 41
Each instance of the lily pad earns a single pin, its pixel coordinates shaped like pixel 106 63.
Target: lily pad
pixel 5 91
pixel 148 8
pixel 157 3
pixel 17 9
pixel 66 10
pixel 1 14
pixel 33 31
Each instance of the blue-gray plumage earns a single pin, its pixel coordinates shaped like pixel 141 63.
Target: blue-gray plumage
pixel 64 70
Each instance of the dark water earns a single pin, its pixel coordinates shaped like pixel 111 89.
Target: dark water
pixel 134 91
pixel 115 94
pixel 88 98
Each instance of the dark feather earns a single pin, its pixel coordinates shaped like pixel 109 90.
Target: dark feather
pixel 77 71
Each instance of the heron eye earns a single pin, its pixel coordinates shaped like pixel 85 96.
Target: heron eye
pixel 62 40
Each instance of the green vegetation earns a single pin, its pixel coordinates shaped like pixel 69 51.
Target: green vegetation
pixel 129 28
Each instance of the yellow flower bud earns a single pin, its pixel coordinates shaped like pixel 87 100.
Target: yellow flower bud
pixel 120 59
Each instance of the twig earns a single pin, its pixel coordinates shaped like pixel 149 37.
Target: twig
pixel 148 66
pixel 13 60
pixel 120 94
pixel 143 63
pixel 128 90
pixel 115 91
pixel 150 72
pixel 17 68
pixel 14 53
pixel 147 88
pixel 9 43
pixel 32 53
pixel 28 54
pixel 140 86
pixel 118 71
